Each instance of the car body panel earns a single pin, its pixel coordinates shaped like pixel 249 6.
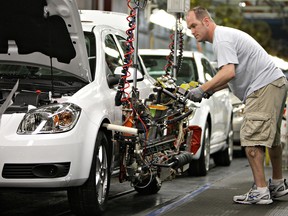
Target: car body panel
pixel 238 108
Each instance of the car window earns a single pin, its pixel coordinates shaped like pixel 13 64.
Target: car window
pixel 188 71
pixel 112 54
pixel 155 65
pixel 123 44
pixel 208 70
pixel 23 71
pixel 156 68
pixel 32 78
pixel 91 51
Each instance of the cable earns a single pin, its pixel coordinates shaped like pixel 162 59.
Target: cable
pixel 123 84
pixel 172 53
pixel 169 58
pixel 181 44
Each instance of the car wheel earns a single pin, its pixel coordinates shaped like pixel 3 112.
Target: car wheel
pixel 200 167
pixel 149 186
pixel 224 158
pixel 91 198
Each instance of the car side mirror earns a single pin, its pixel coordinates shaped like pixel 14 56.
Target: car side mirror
pixel 113 80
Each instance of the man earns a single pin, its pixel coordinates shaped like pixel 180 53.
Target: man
pixel 252 76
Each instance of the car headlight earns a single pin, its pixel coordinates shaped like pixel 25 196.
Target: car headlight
pixel 54 118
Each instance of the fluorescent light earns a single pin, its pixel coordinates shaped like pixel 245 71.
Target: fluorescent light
pixel 162 18
pixel 166 20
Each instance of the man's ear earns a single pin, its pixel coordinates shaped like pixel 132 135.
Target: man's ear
pixel 206 21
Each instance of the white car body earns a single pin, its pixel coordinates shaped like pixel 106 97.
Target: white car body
pixel 217 110
pixel 68 154
pixel 238 108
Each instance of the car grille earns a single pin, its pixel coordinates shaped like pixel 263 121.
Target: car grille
pixel 25 171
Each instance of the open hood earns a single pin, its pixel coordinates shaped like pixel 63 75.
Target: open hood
pixel 43 32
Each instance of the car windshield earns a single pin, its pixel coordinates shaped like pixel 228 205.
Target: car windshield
pixel 33 77
pixel 15 71
pixel 156 68
pixel 36 77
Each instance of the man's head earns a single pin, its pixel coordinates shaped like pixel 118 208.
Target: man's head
pixel 201 24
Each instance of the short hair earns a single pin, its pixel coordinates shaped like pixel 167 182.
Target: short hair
pixel 201 13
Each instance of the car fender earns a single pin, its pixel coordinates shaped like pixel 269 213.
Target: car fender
pixel 95 112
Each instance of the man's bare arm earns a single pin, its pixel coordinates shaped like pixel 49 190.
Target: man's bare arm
pixel 220 80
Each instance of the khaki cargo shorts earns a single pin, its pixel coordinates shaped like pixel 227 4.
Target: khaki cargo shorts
pixel 263 115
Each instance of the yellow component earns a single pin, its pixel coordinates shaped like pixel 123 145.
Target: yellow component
pixel 193 84
pixel 154 108
pixel 187 86
pixel 159 79
pixel 184 86
pixel 158 107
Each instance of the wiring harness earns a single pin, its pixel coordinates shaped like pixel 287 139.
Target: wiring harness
pixel 173 51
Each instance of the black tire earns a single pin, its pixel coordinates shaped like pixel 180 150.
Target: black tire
pixel 200 167
pixel 224 158
pixel 91 198
pixel 149 186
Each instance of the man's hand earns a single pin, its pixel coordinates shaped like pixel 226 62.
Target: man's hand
pixel 195 94
pixel 208 94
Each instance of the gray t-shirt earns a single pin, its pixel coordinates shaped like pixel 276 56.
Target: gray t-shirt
pixel 254 67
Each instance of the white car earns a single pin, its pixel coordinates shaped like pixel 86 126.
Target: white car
pixel 238 109
pixel 57 89
pixel 214 115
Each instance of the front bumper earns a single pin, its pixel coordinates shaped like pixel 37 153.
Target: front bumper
pixel 47 160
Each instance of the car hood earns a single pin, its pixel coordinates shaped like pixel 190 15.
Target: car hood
pixel 43 32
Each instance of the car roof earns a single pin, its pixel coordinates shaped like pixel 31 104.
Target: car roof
pixel 91 18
